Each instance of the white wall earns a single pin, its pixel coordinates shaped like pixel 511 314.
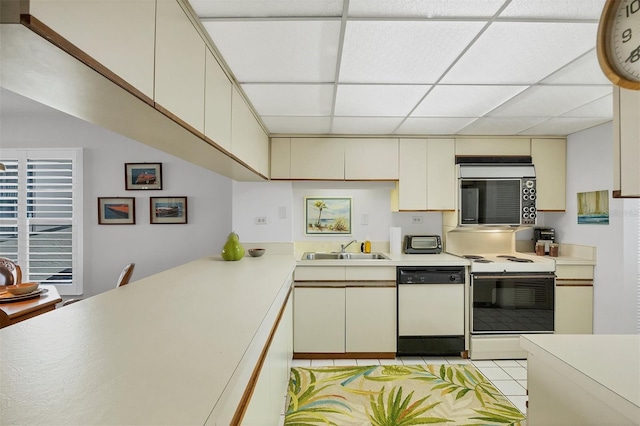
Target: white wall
pixel 590 168
pixel 370 199
pixel 107 248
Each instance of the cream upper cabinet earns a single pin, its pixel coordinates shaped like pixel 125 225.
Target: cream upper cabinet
pixel 371 159
pixel 441 174
pixel 412 185
pixel 427 174
pixel 280 158
pixel 89 25
pixel 180 65
pixel 217 103
pixel 549 157
pixel 317 158
pixel 626 142
pixel 248 141
pixel 488 146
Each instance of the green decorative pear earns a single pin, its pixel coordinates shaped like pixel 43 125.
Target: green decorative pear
pixel 232 249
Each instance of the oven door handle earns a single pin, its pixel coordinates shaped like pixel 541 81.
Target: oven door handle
pixel 496 277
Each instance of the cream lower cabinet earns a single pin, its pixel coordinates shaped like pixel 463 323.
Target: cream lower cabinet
pixel 265 405
pixel 344 310
pixel 574 299
pixel 319 319
pixel 371 319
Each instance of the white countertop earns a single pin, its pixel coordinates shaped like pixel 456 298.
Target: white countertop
pixel 611 361
pixel 441 259
pixel 160 350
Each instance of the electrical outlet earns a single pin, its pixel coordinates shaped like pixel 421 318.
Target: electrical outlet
pixel 262 220
pixel 415 220
pixel 282 212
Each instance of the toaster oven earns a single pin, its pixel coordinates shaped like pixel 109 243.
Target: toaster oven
pixel 422 244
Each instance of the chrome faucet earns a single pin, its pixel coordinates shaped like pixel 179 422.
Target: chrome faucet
pixel 343 247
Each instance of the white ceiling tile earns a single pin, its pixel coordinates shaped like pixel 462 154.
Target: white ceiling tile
pixel 464 101
pixel 290 99
pixel 563 126
pixel 402 51
pixel 584 70
pixel 377 100
pixel 265 8
pixel 602 108
pixel 549 101
pixel 365 125
pixel 300 125
pixel 500 125
pixel 521 52
pixel 433 125
pixel 278 51
pixel 423 9
pixel 554 9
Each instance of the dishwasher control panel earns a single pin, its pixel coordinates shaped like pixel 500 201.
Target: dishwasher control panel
pixel 430 275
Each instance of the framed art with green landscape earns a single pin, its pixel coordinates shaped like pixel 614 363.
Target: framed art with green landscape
pixel 116 211
pixel 143 176
pixel 327 215
pixel 168 210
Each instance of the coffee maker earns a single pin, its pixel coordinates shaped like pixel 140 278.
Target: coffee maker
pixel 544 235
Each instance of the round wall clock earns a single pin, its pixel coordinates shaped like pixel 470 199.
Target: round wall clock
pixel 619 42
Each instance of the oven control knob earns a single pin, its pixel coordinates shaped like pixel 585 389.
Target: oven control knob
pixel 529 184
pixel 533 190
pixel 532 197
pixel 525 197
pixel 526 209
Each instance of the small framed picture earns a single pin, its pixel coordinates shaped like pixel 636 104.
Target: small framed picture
pixel 327 215
pixel 167 210
pixel 116 211
pixel 143 176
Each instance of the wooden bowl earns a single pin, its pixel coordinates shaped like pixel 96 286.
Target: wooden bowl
pixel 22 288
pixel 256 252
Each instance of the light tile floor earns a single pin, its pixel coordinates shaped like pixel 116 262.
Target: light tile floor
pixel 508 376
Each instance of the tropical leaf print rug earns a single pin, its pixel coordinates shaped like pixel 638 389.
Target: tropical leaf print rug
pixel 396 395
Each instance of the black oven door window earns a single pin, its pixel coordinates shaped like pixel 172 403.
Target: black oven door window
pixel 513 304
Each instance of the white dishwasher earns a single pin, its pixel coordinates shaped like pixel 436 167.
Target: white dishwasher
pixel 430 310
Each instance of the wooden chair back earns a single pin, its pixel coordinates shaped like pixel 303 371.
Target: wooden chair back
pixel 10 273
pixel 125 275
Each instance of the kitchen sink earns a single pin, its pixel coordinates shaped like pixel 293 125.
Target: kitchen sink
pixel 342 256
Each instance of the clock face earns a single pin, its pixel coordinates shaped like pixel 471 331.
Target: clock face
pixel 624 39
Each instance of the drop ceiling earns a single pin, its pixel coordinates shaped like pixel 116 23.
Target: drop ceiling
pixel 414 67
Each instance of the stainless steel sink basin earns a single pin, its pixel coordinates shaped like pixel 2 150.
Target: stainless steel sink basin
pixel 342 256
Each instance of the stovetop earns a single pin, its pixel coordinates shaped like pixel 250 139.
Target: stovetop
pixel 517 262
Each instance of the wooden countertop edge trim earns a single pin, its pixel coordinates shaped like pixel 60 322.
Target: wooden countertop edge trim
pixel 248 392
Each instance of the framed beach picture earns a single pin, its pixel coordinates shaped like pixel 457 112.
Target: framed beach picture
pixel 165 210
pixel 116 210
pixel 593 207
pixel 327 215
pixel 143 176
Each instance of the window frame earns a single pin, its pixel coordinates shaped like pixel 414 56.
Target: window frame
pixel 77 220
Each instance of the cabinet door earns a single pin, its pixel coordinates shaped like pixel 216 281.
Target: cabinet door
pixel 550 160
pixel 248 141
pixel 180 65
pixel 319 320
pixel 217 103
pixel 118 34
pixel 412 185
pixel 574 308
pixel 441 174
pixel 626 149
pixel 371 319
pixel 317 158
pixel 371 159
pixel 280 158
pixel 500 146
